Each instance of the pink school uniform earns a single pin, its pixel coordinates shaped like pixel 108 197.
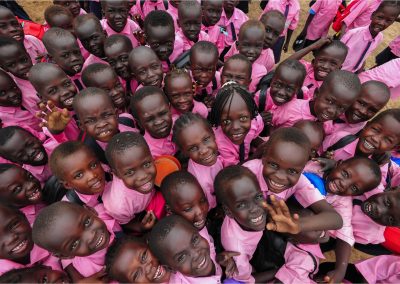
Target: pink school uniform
pixel 343 125
pixel 89 200
pixel 198 108
pixel 178 50
pixel 216 35
pixel 212 88
pixel 361 45
pixel 266 59
pixel 187 44
pixel 310 82
pixel 128 30
pixel 159 147
pixel 93 59
pixel 174 14
pixel 360 14
pixel 233 25
pixel 365 230
pixel 34 47
pixel 230 152
pixel 31 211
pixel 18 116
pixel 30 99
pixel 395 46
pixel 147 6
pixel 293 13
pixel 380 269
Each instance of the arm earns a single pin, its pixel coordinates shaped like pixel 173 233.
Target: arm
pixel 288 37
pixel 325 218
pixel 303 33
pixel 316 45
pixel 342 252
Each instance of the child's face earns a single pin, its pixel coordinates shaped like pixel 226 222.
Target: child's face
pixel 44 274
pixel 10 94
pixel 82 172
pixel 19 187
pixel 117 56
pixel 273 28
pixel 135 263
pixel 92 37
pixel 67 55
pixel 63 21
pixel 350 178
pixel 383 208
pixel 180 93
pixel 198 143
pixel 236 120
pixel 135 167
pixel 147 69
pixel 24 148
pixel 161 39
pixel 368 103
pixel 78 231
pixel 243 203
pixel 187 251
pixel 203 67
pixel 190 202
pixel 382 19
pixel 190 23
pixel 283 163
pixel 116 13
pixel 251 43
pixel 10 26
pixel 212 10
pixel 15 235
pixel 72 6
pixel 98 117
pixel 379 136
pixel 155 116
pixel 327 60
pixel 229 5
pixel 236 70
pixel 15 59
pixel 285 84
pixel 57 87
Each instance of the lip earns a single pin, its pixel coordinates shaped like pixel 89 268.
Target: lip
pixel 77 67
pixel 97 184
pixel 203 262
pixel 17 37
pixel 68 101
pixel 280 99
pixel 257 221
pixel 35 194
pixel 154 83
pixel 199 224
pixel 119 100
pixel 333 187
pixel 275 185
pixel 163 129
pixel 20 247
pixel 369 209
pixel 104 133
pixel 159 273
pixel 38 156
pixel 322 73
pixel 147 187
pixel 237 137
pixel 210 159
pixel 358 117
pixel 325 117
pixel 368 145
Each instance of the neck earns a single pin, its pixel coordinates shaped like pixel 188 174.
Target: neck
pixel 228 13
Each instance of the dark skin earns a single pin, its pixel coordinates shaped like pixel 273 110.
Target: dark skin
pixel 285 84
pixel 211 10
pixel 72 6
pixel 161 39
pixel 63 21
pixel 190 22
pixel 15 60
pixel 10 94
pixel 273 28
pixel 92 37
pixel 203 65
pixel 251 42
pixel 180 93
pixel 117 56
pixel 44 274
pixel 116 13
pixel 314 133
pixel 238 71
pixel 382 19
pixel 10 26
pixel 383 208
pixel 229 7
pixel 146 67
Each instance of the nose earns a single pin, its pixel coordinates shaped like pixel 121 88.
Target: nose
pixel 236 125
pixel 101 123
pixel 141 175
pixel 203 150
pixel 119 65
pixel 281 176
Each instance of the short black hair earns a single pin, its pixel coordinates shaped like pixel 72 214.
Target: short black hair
pixel 372 165
pixel 157 18
pixel 92 70
pixel 334 43
pixel 294 64
pixel 186 120
pixel 188 5
pixel 204 47
pixel 138 52
pixel 55 34
pixel 81 19
pixel 343 78
pixel 292 135
pixel 89 92
pixel 315 125
pixel 145 92
pixel 116 38
pixel 172 182
pixel 174 73
pixel 5 167
pixel 250 24
pixel 384 90
pixel 241 57
pixel 35 73
pixel 55 10
pixel 273 13
pixel 388 3
pixel 393 112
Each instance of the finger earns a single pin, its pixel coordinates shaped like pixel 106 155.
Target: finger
pixel 327 279
pixel 276 206
pixel 269 209
pixel 42 107
pixel 40 115
pixel 51 105
pixel 146 218
pixel 284 208
pixel 271 226
pixel 43 124
pixel 296 217
pixel 232 253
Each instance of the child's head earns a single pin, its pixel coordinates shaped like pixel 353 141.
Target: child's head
pixel 96 114
pixel 131 161
pixel 374 95
pixel 19 187
pixel 72 5
pixel 63 50
pixel 9 25
pixel 14 58
pixel 328 58
pixel 195 138
pixel 189 19
pixel 116 49
pixel 20 146
pixel 233 110
pixel 274 23
pixel 52 84
pixel 58 16
pixel 67 230
pixel 151 109
pixel 10 93
pixel 238 191
pixel 178 86
pixel 287 81
pixel 229 5
pixel 237 68
pixel 383 208
pixel 211 11
pixel 352 177
pixel 91 34
pixel 285 156
pixel 35 274
pixel 145 66
pixel 337 93
pixel 384 16
pixel 102 76
pixel 15 234
pixel 381 134
pixel 203 62
pixel 177 244
pixel 77 168
pixel 314 132
pixel 185 197
pixel 116 12
pixel 251 39
pixel 160 33
pixel 130 260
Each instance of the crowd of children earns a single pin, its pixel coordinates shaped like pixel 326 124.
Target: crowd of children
pixel 167 142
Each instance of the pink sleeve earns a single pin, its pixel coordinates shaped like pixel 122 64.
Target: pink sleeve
pixel 305 193
pixel 343 206
pixel 316 6
pixel 381 269
pixel 295 20
pixel 355 12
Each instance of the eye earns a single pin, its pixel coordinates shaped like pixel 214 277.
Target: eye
pixel 188 209
pixel 147 165
pixel 196 239
pixel 44 279
pixel 206 139
pixel 391 220
pixel 87 222
pixel 354 189
pixel 259 197
pixel 129 172
pixel 345 174
pixel 14 225
pixel 292 172
pixel 17 189
pixel 273 165
pixel 144 256
pixel 240 205
pixel 181 258
pixel 226 122
pixel 387 202
pixel 193 149
pixel 78 175
pixel 93 165
pixel 243 118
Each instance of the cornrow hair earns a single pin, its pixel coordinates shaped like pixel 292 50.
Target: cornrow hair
pixel 175 73
pixel 224 98
pixel 89 92
pixel 188 5
pixel 241 57
pixel 250 24
pixel 94 69
pixel 295 65
pixel 335 44
pixel 205 47
pixel 186 120
pixel 158 18
pixel 345 78
pixel 143 93
pixel 290 134
pixel 56 10
pixel 173 181
pixel 117 38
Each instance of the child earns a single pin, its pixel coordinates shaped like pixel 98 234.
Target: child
pixel 150 107
pixel 78 235
pixel 211 21
pixel 132 187
pixel 35 274
pixel 179 88
pixel 57 16
pixel 364 40
pixel 237 123
pixel 79 170
pixel 149 6
pixel 160 36
pixel 196 140
pixel 237 68
pixel 73 7
pixel 315 133
pixel 233 18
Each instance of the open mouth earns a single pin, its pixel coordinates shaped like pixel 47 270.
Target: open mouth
pixel 276 185
pixel 280 99
pixel 100 240
pixel 333 187
pixel 202 263
pixel 159 273
pixel 209 158
pixel 20 247
pixel 369 210
pixel 104 134
pixel 200 224
pixel 368 145
pixel 69 101
pixel 323 234
pixel 322 74
pixel 258 220
pixel 237 136
pixel 39 155
pixel 97 184
pixel 17 37
pixel 147 187
pixel 358 117
pixel 35 194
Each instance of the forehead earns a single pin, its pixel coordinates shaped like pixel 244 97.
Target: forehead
pixel 11 175
pixel 374 94
pixel 186 192
pixel 274 22
pixel 180 80
pixel 6 214
pixel 178 238
pixel 236 66
pixel 312 132
pixel 63 43
pixel 49 74
pixel 203 57
pixel 339 91
pixel 115 4
pixel 117 48
pixel 161 32
pixel 389 11
pixel 88 26
pixel 131 157
pixel 11 51
pixel 241 188
pixel 5 80
pixel 104 75
pixel 389 124
pixel 194 133
pixel 332 52
pixel 190 14
pixel 288 152
pixel 149 103
pixel 212 3
pixel 93 103
pixel 81 157
pixel 6 14
pixel 252 33
pixel 143 58
pixel 236 105
pixel 288 74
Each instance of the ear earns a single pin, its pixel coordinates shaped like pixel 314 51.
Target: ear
pixel 227 211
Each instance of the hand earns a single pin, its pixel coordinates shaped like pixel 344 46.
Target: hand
pixel 321 42
pixel 54 119
pixel 226 260
pixel 140 36
pixel 333 276
pixel 281 220
pixel 326 164
pixel 267 117
pixel 98 277
pixel 148 221
pixel 328 155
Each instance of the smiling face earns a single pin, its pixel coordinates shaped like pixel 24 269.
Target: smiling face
pixel 327 60
pixel 10 94
pixel 382 19
pixel 238 71
pixel 273 28
pixel 44 274
pixel 146 68
pixel 251 42
pixel 212 10
pixel 161 39
pixel 180 93
pixel 92 37
pixel 65 53
pixel 116 13
pixel 383 208
pixel 285 84
pixel 10 26
pixel 190 23
pixel 117 56
pixel 203 65
pixel 15 59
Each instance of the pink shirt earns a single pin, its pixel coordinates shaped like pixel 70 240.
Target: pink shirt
pixel 178 50
pixel 187 44
pixel 149 6
pixel 229 151
pixel 121 128
pixel 198 108
pixel 17 116
pixel 206 175
pixel 34 47
pixel 128 30
pixel 30 99
pixel 381 269
pixel 174 14
pixel 310 82
pixel 365 230
pixel 293 15
pixel 234 238
pixel 93 59
pixel 395 46
pixel 357 41
pixel 89 200
pixel 159 147
pixel 31 211
pixel 212 87
pixel 351 128
pixel 360 14
pixel 84 52
pixel 324 11
pixel 233 24
pixel 216 35
pixel 258 71
pixel 266 59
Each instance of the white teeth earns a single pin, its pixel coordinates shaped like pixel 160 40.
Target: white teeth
pixel 68 101
pixel 199 223
pixel 104 133
pixel 325 116
pixel 257 220
pixel 368 145
pixel 34 195
pixel 100 240
pixel 19 246
pixel 39 157
pixel 159 273
pixel 236 136
pixel 333 187
pixel 323 233
pixel 208 158
pixel 368 207
pixel 276 184
pixel 202 263
pixel 76 68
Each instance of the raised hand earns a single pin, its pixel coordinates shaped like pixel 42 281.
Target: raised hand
pixel 321 42
pixel 148 221
pixel 326 164
pixel 226 260
pixel 54 119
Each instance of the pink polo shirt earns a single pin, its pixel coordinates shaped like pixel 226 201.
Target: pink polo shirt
pixel 310 82
pixel 258 71
pixel 395 46
pixel 212 87
pixel 380 269
pixel 229 151
pixel 234 238
pixel 178 50
pixel 215 35
pixel 365 230
pixel 357 41
pixel 360 14
pixel 30 99
pixel 31 211
pixel 352 128
pixel 198 108
pixel 301 263
pixel 233 24
pixel 159 147
pixel 149 6
pixel 128 30
pixel 206 175
pixel 174 14
pixel 324 11
pixel 89 200
pixel 266 59
pixel 83 50
pixel 187 44
pixel 34 47
pixel 17 116
pixel 293 15
pixel 121 128
pixel 93 59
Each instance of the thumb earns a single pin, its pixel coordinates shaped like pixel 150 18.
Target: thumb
pixel 232 253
